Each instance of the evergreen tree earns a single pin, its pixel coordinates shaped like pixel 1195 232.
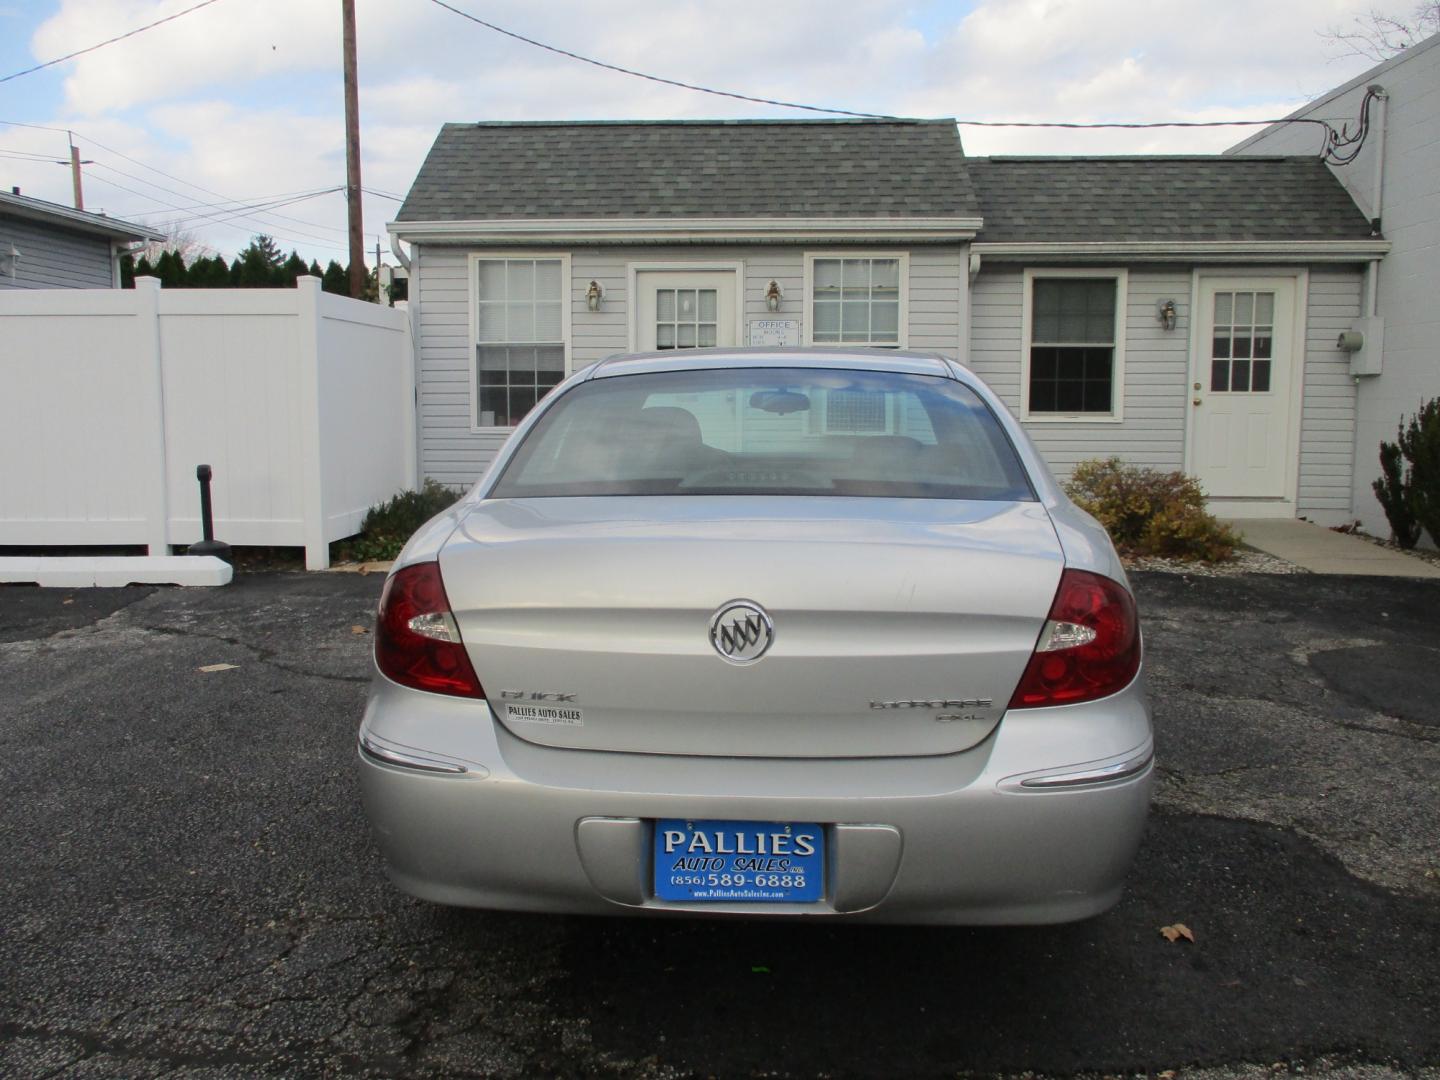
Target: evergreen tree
pixel 170 269
pixel 143 268
pixel 127 271
pixel 236 274
pixel 261 264
pixel 315 270
pixel 336 280
pixel 294 268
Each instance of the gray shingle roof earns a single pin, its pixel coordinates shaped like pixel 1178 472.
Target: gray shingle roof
pixel 1119 199
pixel 677 169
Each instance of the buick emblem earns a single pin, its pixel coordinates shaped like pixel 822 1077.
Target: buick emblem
pixel 741 632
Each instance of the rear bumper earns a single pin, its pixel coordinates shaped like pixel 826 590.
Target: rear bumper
pixel 1038 824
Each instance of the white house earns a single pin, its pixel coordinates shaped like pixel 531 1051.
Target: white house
pixel 47 246
pixel 1395 178
pixel 1181 312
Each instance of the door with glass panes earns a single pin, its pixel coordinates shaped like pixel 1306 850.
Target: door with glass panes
pixel 1240 388
pixel 689 309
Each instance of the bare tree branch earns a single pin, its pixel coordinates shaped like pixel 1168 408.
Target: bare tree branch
pixel 1378 36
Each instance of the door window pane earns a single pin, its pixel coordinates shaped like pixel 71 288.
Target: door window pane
pixel 686 318
pixel 1242 342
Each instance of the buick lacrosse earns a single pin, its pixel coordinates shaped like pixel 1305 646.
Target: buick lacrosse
pixel 762 633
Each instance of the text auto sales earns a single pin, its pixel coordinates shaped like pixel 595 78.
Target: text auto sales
pixel 765 853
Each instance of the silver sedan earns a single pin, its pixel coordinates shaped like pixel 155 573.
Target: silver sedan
pixel 762 633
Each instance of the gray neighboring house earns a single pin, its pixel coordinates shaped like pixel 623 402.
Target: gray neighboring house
pixel 1180 312
pixel 47 246
pixel 1395 178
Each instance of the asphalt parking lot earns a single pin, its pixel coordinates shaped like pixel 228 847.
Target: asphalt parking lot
pixel 188 886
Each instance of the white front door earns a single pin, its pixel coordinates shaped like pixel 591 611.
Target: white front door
pixel 684 309
pixel 1245 365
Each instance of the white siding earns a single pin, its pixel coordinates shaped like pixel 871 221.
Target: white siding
pixel 1157 370
pixel 1327 418
pixel 54 258
pixel 454 454
pixel 1410 273
pixel 1153 431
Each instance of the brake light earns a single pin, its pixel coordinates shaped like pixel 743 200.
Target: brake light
pixel 1090 647
pixel 417 642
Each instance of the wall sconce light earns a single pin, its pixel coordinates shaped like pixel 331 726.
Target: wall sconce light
pixel 594 295
pixel 1165 312
pixel 773 295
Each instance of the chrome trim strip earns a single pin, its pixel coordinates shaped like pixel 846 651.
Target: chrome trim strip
pixel 1119 770
pixel 387 756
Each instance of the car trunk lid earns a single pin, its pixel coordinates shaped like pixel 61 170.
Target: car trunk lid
pixel 901 626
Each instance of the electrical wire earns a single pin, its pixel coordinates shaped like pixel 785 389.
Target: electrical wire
pixel 108 41
pixel 1333 139
pixel 654 78
pixel 191 183
pixel 219 206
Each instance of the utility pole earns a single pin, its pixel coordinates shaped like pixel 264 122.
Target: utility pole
pixel 352 151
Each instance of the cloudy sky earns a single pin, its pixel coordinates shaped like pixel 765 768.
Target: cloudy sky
pixel 240 103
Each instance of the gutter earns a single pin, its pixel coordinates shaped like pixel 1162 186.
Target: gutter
pixel 1193 251
pixel 687 230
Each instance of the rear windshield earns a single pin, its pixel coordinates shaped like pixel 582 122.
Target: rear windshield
pixel 767 431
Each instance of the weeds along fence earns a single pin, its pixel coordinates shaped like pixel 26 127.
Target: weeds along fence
pixel 302 401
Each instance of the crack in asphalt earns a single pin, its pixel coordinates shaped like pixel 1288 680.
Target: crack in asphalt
pixel 261 653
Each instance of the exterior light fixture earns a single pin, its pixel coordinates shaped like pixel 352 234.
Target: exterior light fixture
pixel 1165 312
pixel 594 295
pixel 773 296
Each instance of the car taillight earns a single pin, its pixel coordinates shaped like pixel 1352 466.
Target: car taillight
pixel 1089 648
pixel 417 642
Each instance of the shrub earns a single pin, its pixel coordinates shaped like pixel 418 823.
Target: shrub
pixel 1393 492
pixel 386 527
pixel 1410 494
pixel 1148 512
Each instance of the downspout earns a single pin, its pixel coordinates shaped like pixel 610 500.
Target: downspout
pixel 1382 100
pixel 412 314
pixel 400 256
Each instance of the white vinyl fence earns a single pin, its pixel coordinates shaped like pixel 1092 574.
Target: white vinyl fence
pixel 303 403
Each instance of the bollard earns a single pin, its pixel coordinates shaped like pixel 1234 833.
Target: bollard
pixel 209 545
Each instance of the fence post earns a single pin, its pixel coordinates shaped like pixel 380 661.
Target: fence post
pixel 152 372
pixel 312 464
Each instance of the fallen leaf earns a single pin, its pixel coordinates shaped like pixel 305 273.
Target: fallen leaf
pixel 208 668
pixel 1176 931
pixel 1168 1074
pixel 358 630
pixel 363 571
pixel 68 600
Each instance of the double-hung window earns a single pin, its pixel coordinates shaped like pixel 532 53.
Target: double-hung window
pixel 1075 343
pixel 519 336
pixel 856 300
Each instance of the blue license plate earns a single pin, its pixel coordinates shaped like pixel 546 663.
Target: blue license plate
pixel 738 861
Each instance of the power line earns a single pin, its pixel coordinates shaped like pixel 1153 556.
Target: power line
pixel 654 78
pixel 102 44
pixel 1333 138
pixel 192 184
pixel 203 205
pixel 222 216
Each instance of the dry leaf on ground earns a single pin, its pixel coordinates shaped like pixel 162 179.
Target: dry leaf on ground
pixel 358 630
pixel 1176 931
pixel 208 668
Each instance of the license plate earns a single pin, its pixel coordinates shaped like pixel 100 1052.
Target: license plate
pixel 738 861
